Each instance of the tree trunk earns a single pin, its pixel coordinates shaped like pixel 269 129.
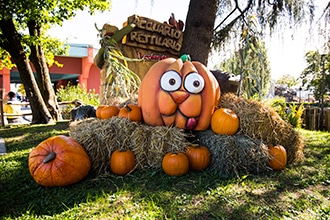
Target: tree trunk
pixel 12 43
pixel 198 33
pixel 43 77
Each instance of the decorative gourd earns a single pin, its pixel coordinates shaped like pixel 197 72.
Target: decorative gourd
pixel 58 161
pixel 109 111
pixel 175 164
pixel 224 121
pixel 278 158
pixel 199 157
pixel 132 112
pixel 178 92
pixel 122 162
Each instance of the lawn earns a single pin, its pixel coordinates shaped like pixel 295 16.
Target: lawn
pixel 301 191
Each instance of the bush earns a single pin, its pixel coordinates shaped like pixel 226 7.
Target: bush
pixel 290 113
pixel 71 92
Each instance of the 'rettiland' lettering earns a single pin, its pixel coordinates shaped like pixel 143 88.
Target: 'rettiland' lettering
pixel 156 40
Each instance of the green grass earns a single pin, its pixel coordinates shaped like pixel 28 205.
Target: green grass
pixel 298 192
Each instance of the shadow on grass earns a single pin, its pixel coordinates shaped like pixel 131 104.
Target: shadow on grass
pixel 197 195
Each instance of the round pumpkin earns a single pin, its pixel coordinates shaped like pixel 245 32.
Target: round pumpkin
pixel 58 161
pixel 109 111
pixel 278 157
pixel 175 164
pixel 122 162
pixel 199 157
pixel 98 111
pixel 178 92
pixel 224 121
pixel 132 112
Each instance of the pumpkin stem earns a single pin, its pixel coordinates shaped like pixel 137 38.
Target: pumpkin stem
pixel 51 156
pixel 129 109
pixel 185 57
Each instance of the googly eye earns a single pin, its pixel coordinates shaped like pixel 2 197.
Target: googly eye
pixel 170 81
pixel 194 83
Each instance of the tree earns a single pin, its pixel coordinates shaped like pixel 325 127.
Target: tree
pixel 232 17
pixel 287 80
pixel 37 17
pixel 198 33
pixel 316 75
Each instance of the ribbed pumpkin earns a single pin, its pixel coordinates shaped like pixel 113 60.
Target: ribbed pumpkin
pixel 122 162
pixel 175 164
pixel 58 161
pixel 224 121
pixel 178 92
pixel 109 111
pixel 99 110
pixel 199 157
pixel 132 112
pixel 278 158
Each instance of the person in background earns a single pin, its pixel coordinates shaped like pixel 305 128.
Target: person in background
pixel 11 108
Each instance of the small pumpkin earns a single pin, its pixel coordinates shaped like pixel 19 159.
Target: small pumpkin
pixel 175 164
pixel 278 157
pixel 131 112
pixel 224 121
pixel 178 92
pixel 199 157
pixel 109 111
pixel 58 161
pixel 122 162
pixel 98 111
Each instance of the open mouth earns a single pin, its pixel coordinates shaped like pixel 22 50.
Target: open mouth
pixel 191 122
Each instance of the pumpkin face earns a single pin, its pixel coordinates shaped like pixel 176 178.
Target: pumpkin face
pixel 122 162
pixel 132 112
pixel 109 111
pixel 183 94
pixel 199 157
pixel 278 157
pixel 58 161
pixel 175 164
pixel 224 121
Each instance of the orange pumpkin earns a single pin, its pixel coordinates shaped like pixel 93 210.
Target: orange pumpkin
pixel 122 162
pixel 179 93
pixel 175 164
pixel 199 157
pixel 58 161
pixel 224 121
pixel 132 112
pixel 98 111
pixel 109 111
pixel 278 157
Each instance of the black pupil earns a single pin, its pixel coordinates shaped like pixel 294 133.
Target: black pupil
pixel 172 82
pixel 196 83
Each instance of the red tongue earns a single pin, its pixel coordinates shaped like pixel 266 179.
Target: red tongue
pixel 191 123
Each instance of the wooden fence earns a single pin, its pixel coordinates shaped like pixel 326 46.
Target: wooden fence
pixel 312 119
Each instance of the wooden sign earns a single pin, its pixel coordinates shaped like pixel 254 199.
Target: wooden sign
pixel 154 36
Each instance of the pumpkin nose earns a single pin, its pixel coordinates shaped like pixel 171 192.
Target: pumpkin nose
pixel 179 96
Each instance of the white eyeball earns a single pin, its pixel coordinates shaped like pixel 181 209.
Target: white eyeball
pixel 170 81
pixel 194 83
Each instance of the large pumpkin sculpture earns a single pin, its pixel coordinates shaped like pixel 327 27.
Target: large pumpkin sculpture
pixel 178 92
pixel 58 161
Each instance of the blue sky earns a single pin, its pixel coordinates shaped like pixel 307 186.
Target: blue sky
pixel 286 54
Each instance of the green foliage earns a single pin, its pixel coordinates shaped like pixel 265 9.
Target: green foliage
pixel 72 92
pixel 312 76
pixel 291 114
pixel 251 62
pixel 287 80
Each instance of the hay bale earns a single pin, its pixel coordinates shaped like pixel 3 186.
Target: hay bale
pixel 262 122
pixel 100 137
pixel 235 154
